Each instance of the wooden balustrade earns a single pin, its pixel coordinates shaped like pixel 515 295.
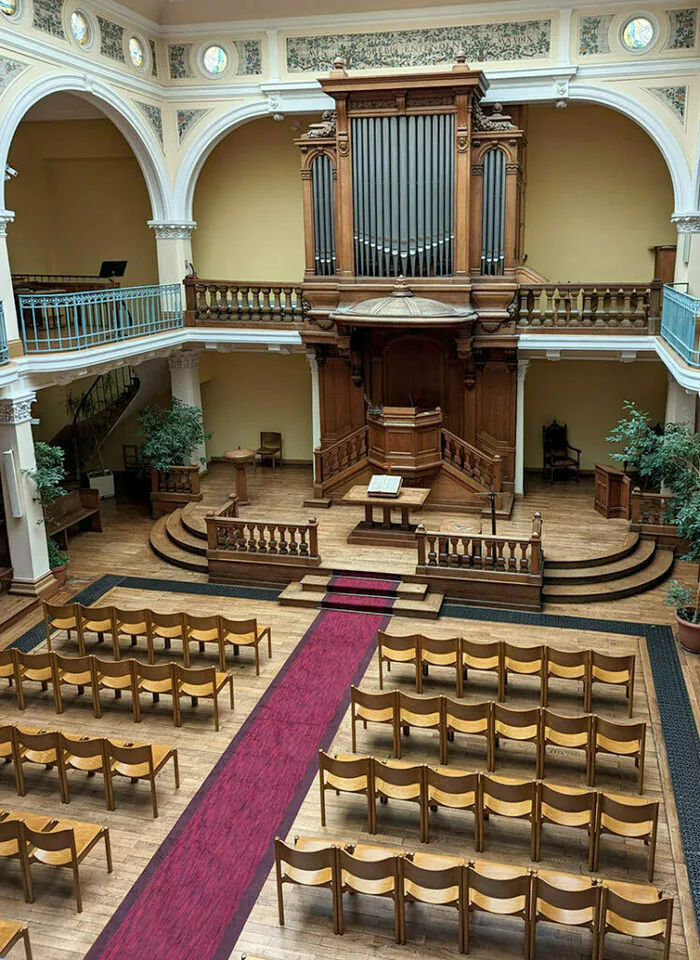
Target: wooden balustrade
pixel 498 554
pixel 232 302
pixel 649 508
pixel 176 480
pixel 270 540
pixel 345 453
pixel 590 306
pixel 481 467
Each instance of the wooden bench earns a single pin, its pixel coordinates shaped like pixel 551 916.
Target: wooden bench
pixel 72 509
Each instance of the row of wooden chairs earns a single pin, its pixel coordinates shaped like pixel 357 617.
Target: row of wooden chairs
pixel 589 733
pixel 158 679
pixel 474 886
pixel 13 932
pixel 106 756
pixel 215 630
pixel 430 788
pixel 30 838
pixel 461 655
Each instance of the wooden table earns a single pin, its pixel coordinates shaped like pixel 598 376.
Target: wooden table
pixel 385 532
pixel 239 458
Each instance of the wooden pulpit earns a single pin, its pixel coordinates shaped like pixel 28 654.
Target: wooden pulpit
pixel 405 440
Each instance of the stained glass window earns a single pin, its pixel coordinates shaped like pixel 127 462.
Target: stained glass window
pixel 79 28
pixel 8 7
pixel 136 52
pixel 638 33
pixel 215 60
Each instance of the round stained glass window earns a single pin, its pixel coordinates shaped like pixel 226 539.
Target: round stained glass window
pixel 136 53
pixel 79 28
pixel 215 60
pixel 8 7
pixel 638 34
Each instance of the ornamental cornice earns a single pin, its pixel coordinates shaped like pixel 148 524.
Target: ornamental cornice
pixel 16 410
pixel 184 360
pixel 6 216
pixel 687 222
pixel 172 229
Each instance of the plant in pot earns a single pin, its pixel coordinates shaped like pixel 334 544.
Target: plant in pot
pixel 48 477
pixel 170 437
pixel 670 461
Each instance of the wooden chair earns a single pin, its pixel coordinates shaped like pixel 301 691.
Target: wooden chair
pixel 13 846
pixel 455 790
pixel 405 650
pixel 307 868
pixel 558 454
pixel 244 633
pixel 201 683
pixel 441 886
pixel 567 900
pixel 67 845
pixel 566 665
pixel 347 774
pixel 487 657
pixel 203 630
pixel 88 755
pixel 567 732
pixel 649 920
pixel 166 627
pixel 270 447
pixel 374 873
pixel 8 671
pixel 11 932
pixel 422 712
pixel 117 675
pixel 58 617
pixel 156 679
pixel 525 662
pixel 99 620
pixel 567 807
pixel 628 817
pixel 618 740
pixel 42 747
pixel 132 624
pixel 618 671
pixel 74 672
pixel 33 668
pixel 143 761
pixel 471 719
pixel 510 723
pixel 398 780
pixel 379 708
pixel 507 797
pixel 8 747
pixel 502 890
pixel 440 653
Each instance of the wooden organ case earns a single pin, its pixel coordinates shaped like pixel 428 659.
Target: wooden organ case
pixel 413 194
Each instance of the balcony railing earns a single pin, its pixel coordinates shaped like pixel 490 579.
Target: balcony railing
pixel 77 321
pixel 4 350
pixel 239 304
pixel 632 307
pixel 680 324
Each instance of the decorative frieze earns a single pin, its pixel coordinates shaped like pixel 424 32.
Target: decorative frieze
pixel 184 360
pixel 687 223
pixel 673 97
pixel 514 40
pixel 154 116
pixel 593 35
pixel 186 119
pixel 154 58
pixel 8 70
pixel 16 409
pixel 249 57
pixel 48 17
pixel 172 229
pixel 6 217
pixel 179 57
pixel 111 39
pixel 683 24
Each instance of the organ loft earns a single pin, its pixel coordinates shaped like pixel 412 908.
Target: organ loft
pixel 413 197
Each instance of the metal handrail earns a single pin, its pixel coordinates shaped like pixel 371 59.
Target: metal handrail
pixel 680 326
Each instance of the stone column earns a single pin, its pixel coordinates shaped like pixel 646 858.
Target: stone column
pixel 520 428
pixel 174 248
pixel 315 406
pixel 6 293
pixel 680 403
pixel 31 575
pixel 184 381
pixel 688 253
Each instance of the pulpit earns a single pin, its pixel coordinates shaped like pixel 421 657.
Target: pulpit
pixel 406 440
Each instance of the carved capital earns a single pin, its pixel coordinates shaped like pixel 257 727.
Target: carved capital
pixel 6 216
pixel 323 130
pixel 462 143
pixel 172 229
pixel 16 410
pixel 522 370
pixel 687 222
pixel 184 360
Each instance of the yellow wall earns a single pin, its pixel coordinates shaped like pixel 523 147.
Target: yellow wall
pixel 598 195
pixel 248 207
pixel 244 393
pixel 80 198
pixel 588 396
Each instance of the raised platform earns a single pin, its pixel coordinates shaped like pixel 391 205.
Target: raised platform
pixel 363 593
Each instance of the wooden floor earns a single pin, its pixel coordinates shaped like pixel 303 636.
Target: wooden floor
pixel 58 933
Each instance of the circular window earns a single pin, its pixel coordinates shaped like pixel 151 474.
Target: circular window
pixel 638 34
pixel 80 28
pixel 8 7
pixel 136 52
pixel 215 60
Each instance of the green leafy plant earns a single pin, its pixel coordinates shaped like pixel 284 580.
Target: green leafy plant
pixel 57 557
pixel 682 599
pixel 48 477
pixel 171 435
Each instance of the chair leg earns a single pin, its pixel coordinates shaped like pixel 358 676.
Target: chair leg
pixel 230 683
pixel 27 945
pixel 216 712
pixel 323 799
pixel 257 659
pixel 280 897
pixel 76 883
pixel 269 643
pixel 20 691
pixel 154 798
pixel 108 850
pixel 176 764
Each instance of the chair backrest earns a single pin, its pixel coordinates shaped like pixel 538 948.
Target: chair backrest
pixel 623 665
pixel 619 732
pixel 567 799
pixel 322 858
pixel 456 783
pixel 555 437
pixel 567 658
pixel 381 700
pixel 515 718
pixel 508 790
pixel 389 644
pixel 199 676
pixel 270 438
pixel 441 647
pixel 99 615
pixel 410 706
pixel 73 664
pixel 497 888
pixel 532 656
pixel 7 732
pixel 131 617
pixel 8 657
pixel 66 611
pixel 132 755
pixel 239 626
pixel 479 650
pixel 87 747
pixel 399 776
pixel 155 671
pixel 11 830
pixel 51 841
pixel 635 911
pixel 211 622
pixel 380 869
pixel 459 710
pixel 580 723
pixel 34 661
pixel 44 741
pixel 444 878
pixel 586 898
pixel 167 621
pixel 627 810
pixel 345 768
pixel 114 668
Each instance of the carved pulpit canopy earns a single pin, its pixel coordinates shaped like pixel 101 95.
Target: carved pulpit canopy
pixel 402 308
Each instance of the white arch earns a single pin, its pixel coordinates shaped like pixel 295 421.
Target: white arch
pixel 125 117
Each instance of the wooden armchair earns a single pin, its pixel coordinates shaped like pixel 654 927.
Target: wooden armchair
pixel 142 761
pixel 74 672
pixel 618 671
pixel 244 633
pixel 88 755
pixel 424 713
pixel 63 618
pixel 392 649
pixel 484 656
pixel 565 732
pixel 649 920
pixel 398 780
pixel 557 453
pixel 99 620
pixel 618 740
pixel 202 683
pixel 566 665
pixel 158 678
pixel 347 774
pixel 455 790
pixel 567 807
pixel 67 845
pixel 166 627
pixel 11 932
pixel 374 873
pixel 628 817
pixel 566 900
pixel 510 723
pixel 525 662
pixel 315 867
pixel 374 708
pixel 117 675
pixel 437 886
pixel 507 797
pixel 203 630
pixel 270 447
pixel 132 624
pixel 33 668
pixel 499 889
pixel 470 719
pixel 441 653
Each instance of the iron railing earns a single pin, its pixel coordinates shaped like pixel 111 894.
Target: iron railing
pixel 77 321
pixel 4 349
pixel 680 326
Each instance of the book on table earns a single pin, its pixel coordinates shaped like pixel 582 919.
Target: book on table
pixel 384 485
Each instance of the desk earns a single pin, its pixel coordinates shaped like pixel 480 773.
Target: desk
pixel 239 458
pixel 386 533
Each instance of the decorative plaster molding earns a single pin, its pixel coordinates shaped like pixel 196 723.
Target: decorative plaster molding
pixel 6 217
pixel 249 57
pixel 522 370
pixel 16 409
pixel 111 39
pixel 9 69
pixel 173 229
pixel 184 360
pixel 687 222
pixel 673 97
pixel 682 24
pixel 593 35
pixel 186 119
pixel 154 116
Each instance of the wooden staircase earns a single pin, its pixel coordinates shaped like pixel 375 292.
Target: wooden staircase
pixel 180 538
pixel 409 599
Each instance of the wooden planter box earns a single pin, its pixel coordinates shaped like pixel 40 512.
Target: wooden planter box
pixel 174 488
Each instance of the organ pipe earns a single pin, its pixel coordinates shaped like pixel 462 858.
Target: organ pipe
pixel 324 216
pixel 493 213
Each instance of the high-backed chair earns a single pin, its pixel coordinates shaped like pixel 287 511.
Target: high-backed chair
pixel 202 683
pixel 499 889
pixel 156 679
pixel 270 447
pixel 67 845
pixel 404 650
pixel 98 620
pixel 11 933
pixel 439 886
pixel 525 662
pixel 619 740
pixel 445 652
pixel 566 900
pixel 74 672
pixel 8 671
pixel 566 665
pixel 244 633
pixel 307 868
pixel 510 723
pixel 203 631
pixel 371 877
pixel 43 748
pixel 33 668
pixel 347 774
pixel 618 671
pixel 63 617
pixel 88 755
pixel 132 624
pixel 507 797
pixel 628 817
pixel 141 762
pixel 455 790
pixel 470 719
pixel 379 708
pixel 13 846
pixel 166 627
pixel 486 657
pixel 117 675
pixel 566 732
pixel 567 807
pixel 398 780
pixel 648 920
pixel 422 712
pixel 558 455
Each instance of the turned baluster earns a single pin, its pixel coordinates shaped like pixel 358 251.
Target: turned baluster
pixel 511 560
pixel 420 543
pixel 615 309
pixel 443 552
pixel 476 559
pixel 271 538
pixel 598 307
pixel 587 312
pixel 201 307
pixel 548 320
pixel 640 308
pixel 293 545
pixel 313 537
pixel 575 302
pixel 626 296
pixel 536 309
pixel 297 296
pixel 252 537
pixel 303 545
pixel 432 553
pixel 524 311
pixel 282 535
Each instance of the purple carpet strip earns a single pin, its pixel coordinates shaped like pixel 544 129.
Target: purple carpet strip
pixel 195 895
pixel 348 601
pixel 362 585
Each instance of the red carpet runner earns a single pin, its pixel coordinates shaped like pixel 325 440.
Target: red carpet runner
pixel 195 895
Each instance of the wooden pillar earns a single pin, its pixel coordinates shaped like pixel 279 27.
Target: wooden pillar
pixel 462 183
pixel 309 238
pixel 512 225
pixel 345 258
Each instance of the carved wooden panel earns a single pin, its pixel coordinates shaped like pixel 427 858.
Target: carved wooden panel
pixel 494 406
pixel 342 403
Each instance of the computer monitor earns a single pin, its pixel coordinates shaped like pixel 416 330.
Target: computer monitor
pixel 112 268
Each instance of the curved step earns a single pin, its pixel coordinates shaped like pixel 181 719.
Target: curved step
pixel 653 574
pixel 193 520
pixel 598 573
pixel 628 547
pixel 182 537
pixel 162 545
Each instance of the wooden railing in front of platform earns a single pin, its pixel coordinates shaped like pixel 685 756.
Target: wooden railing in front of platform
pixel 332 461
pixel 594 307
pixel 215 302
pixel 271 551
pixel 171 489
pixel 474 463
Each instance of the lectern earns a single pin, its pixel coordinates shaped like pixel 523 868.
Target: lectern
pixel 406 440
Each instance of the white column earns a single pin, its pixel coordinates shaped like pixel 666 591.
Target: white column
pixel 315 406
pixel 25 519
pixel 6 292
pixel 184 383
pixel 688 252
pixel 680 403
pixel 520 428
pixel 174 248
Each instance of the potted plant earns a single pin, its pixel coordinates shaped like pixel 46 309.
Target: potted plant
pixel 48 476
pixel 687 607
